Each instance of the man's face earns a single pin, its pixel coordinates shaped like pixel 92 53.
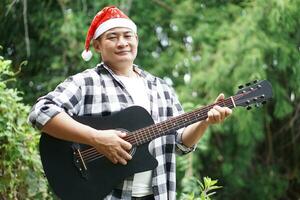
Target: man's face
pixel 117 45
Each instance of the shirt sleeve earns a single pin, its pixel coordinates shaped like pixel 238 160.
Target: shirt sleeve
pixel 65 98
pixel 181 149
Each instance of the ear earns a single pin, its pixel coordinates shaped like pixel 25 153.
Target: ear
pixel 97 45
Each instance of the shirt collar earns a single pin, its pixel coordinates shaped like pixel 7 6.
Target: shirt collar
pixel 136 68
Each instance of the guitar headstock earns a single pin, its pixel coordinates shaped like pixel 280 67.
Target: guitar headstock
pixel 257 93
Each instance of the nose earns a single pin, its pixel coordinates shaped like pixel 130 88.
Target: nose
pixel 122 42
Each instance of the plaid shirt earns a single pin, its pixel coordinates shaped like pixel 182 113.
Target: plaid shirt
pixel 99 91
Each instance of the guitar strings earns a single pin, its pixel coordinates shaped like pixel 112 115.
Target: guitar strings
pixel 143 135
pixel 91 154
pixel 144 132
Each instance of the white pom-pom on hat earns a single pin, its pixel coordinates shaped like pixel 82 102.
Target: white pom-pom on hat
pixel 108 18
pixel 86 55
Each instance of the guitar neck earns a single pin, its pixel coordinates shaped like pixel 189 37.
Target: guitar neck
pixel 149 133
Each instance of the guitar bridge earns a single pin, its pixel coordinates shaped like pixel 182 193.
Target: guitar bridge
pixel 79 161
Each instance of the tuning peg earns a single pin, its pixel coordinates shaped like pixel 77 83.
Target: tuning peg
pixel 255 81
pixel 248 107
pixel 255 99
pixel 262 96
pixel 258 86
pixel 248 84
pixel 241 86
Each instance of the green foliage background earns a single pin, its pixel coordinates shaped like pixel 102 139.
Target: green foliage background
pixel 20 166
pixel 202 48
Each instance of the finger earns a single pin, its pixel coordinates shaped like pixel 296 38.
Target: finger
pixel 112 159
pixel 126 145
pixel 121 160
pixel 209 114
pixel 221 111
pixel 211 118
pixel 228 111
pixel 216 115
pixel 124 154
pixel 220 98
pixel 121 134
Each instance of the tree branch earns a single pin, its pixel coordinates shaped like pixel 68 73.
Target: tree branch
pixel 84 6
pixel 290 122
pixel 125 6
pixel 290 125
pixel 27 41
pixel 62 6
pixel 163 5
pixel 269 144
pixel 10 7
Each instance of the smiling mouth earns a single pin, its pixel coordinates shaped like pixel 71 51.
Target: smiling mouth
pixel 122 52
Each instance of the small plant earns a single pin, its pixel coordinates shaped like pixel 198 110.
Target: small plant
pixel 204 191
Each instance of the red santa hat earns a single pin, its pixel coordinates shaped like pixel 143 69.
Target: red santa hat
pixel 108 18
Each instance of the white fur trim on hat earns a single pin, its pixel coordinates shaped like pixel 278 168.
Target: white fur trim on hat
pixel 113 23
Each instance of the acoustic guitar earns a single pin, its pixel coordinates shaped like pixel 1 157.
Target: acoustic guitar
pixel 77 171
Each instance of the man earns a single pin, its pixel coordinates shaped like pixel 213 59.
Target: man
pixel 111 86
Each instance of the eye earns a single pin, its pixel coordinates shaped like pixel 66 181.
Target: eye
pixel 111 38
pixel 128 36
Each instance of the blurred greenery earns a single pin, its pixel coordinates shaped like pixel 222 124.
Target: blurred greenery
pixel 20 166
pixel 200 47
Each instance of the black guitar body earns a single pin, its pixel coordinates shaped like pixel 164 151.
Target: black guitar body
pixel 100 176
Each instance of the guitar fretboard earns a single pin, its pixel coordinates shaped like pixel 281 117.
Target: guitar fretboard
pixel 149 133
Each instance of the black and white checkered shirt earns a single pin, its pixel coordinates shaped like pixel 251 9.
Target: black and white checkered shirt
pixel 99 91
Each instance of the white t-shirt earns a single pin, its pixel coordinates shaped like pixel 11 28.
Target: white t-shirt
pixel 142 182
